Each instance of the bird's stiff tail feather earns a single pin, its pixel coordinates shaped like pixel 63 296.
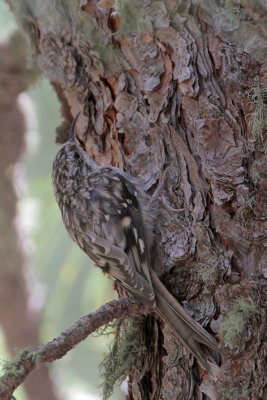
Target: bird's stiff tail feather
pixel 185 328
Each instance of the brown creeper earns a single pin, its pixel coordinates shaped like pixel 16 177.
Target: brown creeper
pixel 105 212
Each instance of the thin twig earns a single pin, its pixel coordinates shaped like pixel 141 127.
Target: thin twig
pixel 17 370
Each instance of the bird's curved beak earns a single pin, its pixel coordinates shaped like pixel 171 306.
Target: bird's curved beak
pixel 72 129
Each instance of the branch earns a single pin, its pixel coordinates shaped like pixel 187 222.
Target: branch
pixel 17 369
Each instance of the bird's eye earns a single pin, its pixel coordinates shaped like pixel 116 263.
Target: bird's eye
pixel 76 155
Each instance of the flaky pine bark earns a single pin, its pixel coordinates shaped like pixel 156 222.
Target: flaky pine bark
pixel 172 91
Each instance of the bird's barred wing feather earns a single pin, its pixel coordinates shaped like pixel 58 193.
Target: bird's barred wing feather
pixel 113 237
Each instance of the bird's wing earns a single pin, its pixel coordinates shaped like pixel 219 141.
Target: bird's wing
pixel 113 234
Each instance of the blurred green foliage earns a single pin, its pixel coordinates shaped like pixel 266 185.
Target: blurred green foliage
pixel 7 22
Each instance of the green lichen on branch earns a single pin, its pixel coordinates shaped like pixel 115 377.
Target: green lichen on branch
pixel 15 367
pixel 228 395
pixel 125 349
pixel 238 392
pixel 109 329
pixel 251 202
pixel 94 41
pixel 258 117
pixel 231 8
pixel 242 311
pixel 108 54
pixel 131 18
pixel 255 175
pixel 207 270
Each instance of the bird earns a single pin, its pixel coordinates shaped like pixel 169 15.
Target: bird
pixel 108 214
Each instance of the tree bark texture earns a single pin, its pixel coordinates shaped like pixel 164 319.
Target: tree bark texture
pixel 19 324
pixel 166 91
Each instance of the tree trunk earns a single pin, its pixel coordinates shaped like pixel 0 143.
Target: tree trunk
pixel 172 91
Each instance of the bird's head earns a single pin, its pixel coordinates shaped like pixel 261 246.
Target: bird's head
pixel 71 162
